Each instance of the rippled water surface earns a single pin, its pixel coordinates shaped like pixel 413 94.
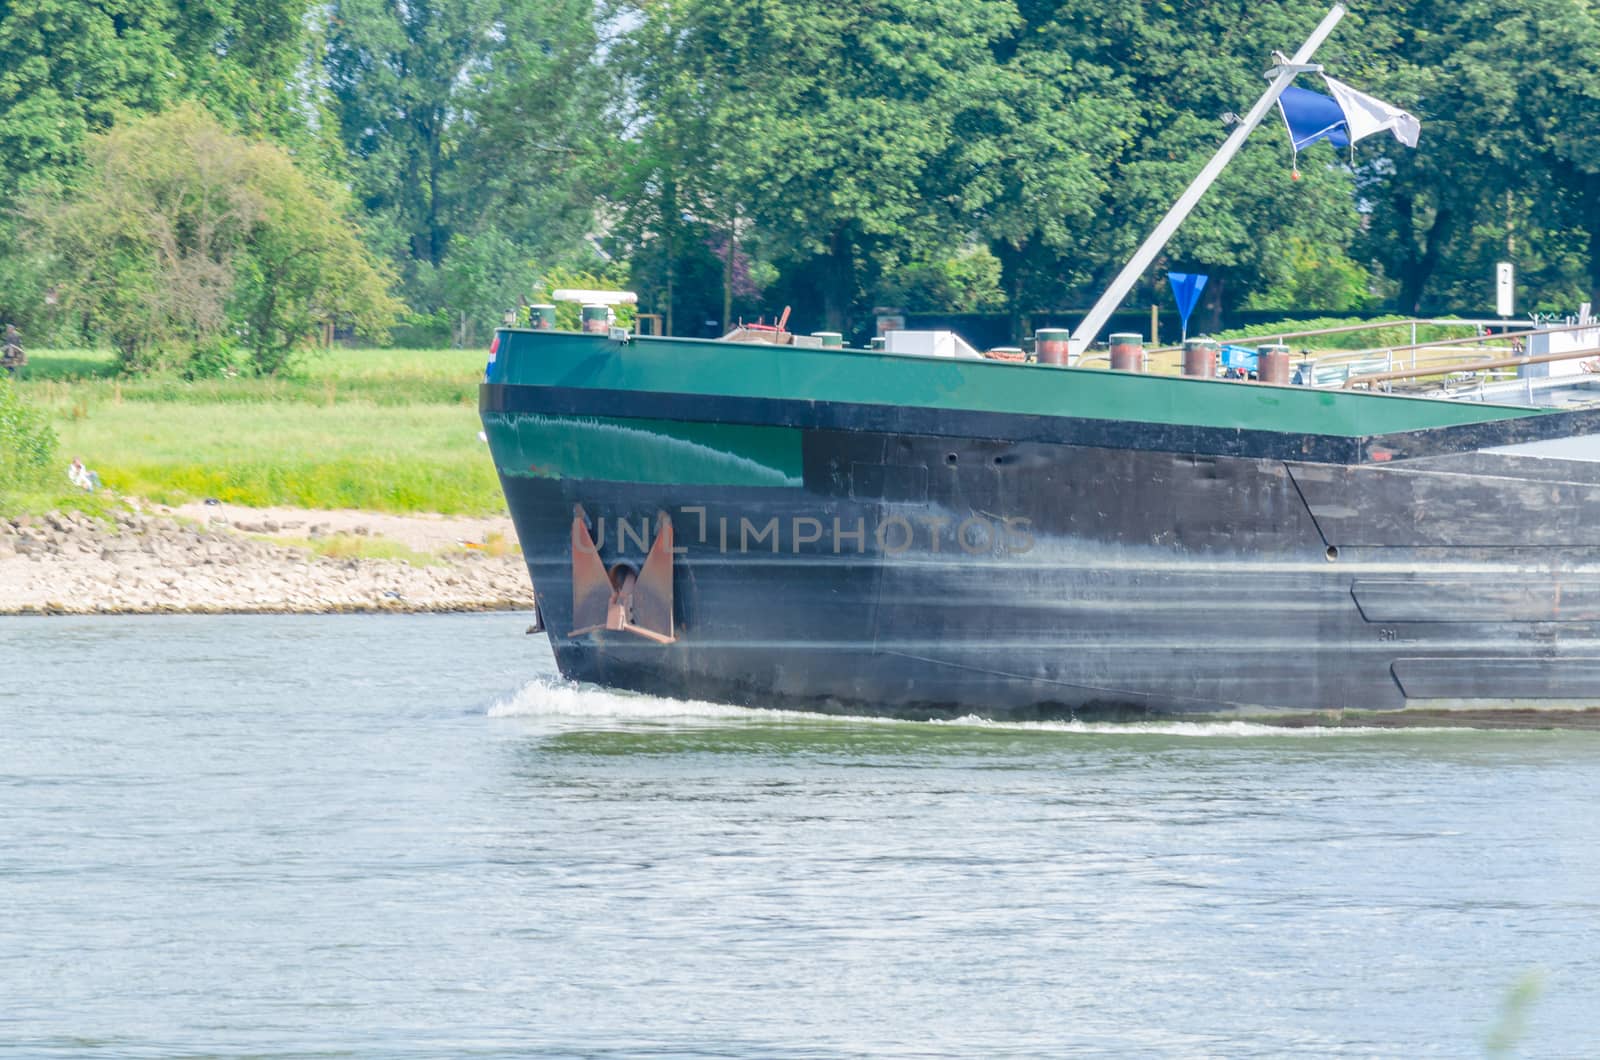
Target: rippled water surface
pixel 382 836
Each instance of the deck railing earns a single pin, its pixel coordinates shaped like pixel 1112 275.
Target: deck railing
pixel 1369 379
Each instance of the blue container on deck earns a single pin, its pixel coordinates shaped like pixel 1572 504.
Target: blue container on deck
pixel 1240 357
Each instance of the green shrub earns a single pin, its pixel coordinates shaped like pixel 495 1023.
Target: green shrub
pixel 424 330
pixel 178 233
pixel 1316 274
pixel 27 444
pixel 1376 335
pixel 217 357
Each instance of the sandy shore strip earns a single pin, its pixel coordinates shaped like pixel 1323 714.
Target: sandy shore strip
pixel 215 559
pixel 422 533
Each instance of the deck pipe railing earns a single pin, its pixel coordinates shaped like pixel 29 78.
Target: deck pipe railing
pixel 1282 337
pixel 1351 358
pixel 1503 362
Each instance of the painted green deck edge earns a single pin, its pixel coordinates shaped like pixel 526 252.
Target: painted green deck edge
pixel 535 445
pixel 700 366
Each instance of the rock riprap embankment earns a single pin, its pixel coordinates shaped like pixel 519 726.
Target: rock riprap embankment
pixel 142 563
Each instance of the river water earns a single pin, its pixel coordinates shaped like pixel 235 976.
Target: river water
pixel 405 836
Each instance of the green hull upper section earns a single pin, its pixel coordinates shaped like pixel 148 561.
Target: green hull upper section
pixel 702 366
pixel 596 447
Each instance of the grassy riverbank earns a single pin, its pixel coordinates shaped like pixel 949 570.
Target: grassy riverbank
pixel 383 430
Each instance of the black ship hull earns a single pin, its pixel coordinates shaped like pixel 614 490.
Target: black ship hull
pixel 1031 568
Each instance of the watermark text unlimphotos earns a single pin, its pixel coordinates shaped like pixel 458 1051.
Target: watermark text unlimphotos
pixel 890 535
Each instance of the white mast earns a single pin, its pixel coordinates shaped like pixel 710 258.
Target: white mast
pixel 1280 77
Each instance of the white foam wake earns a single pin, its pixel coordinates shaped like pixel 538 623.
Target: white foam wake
pixel 1231 729
pixel 555 698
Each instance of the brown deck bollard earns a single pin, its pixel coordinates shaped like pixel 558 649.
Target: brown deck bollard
pixel 1272 365
pixel 1200 358
pixel 1050 346
pixel 1127 352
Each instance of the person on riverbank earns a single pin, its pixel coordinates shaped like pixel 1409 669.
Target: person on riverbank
pixel 12 358
pixel 82 477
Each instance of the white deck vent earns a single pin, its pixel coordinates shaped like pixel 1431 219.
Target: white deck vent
pixel 929 344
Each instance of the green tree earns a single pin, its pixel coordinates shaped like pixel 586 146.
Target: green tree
pixel 1557 92
pixel 1316 276
pixel 255 64
pixel 671 188
pixel 180 234
pixel 1029 166
pixel 849 146
pixel 1188 64
pixel 303 265
pixel 482 278
pixel 965 282
pixel 818 124
pixel 1421 202
pixel 74 66
pixel 1500 87
pixel 71 67
pixel 146 241
pixel 538 144
pixel 395 70
pixel 462 122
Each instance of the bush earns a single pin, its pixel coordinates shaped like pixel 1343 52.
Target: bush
pixel 214 358
pixel 179 235
pixel 965 282
pixel 1373 337
pixel 1316 275
pixel 424 331
pixel 27 444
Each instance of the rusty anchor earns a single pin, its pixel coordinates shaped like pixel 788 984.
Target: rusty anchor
pixel 622 599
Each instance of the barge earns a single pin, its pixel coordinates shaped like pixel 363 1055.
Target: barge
pixel 925 533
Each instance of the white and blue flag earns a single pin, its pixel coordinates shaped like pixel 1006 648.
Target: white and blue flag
pixel 1342 118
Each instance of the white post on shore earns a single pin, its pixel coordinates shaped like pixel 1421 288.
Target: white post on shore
pixel 1280 76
